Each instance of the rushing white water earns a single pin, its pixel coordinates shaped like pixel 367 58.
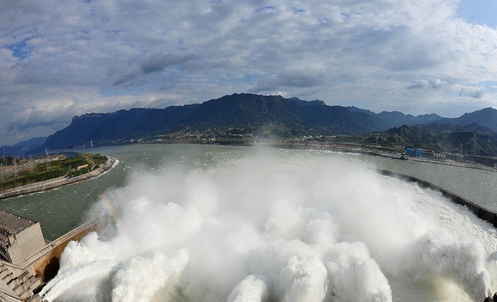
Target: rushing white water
pixel 278 228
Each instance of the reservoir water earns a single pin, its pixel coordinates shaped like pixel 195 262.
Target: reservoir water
pixel 219 223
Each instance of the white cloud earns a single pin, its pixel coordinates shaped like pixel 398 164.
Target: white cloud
pixel 340 52
pixel 301 78
pixel 437 83
pixel 420 84
pixel 472 91
pixel 156 62
pixel 433 84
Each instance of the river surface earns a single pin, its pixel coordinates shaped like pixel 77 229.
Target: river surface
pixel 64 208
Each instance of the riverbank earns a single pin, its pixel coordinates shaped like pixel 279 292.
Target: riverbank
pixel 58 182
pixel 371 150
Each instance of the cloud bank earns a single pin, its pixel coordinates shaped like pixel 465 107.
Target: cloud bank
pixel 362 53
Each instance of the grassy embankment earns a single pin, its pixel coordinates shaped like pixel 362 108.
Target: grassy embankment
pixel 64 166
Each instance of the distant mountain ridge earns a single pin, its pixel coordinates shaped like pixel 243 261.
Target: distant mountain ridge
pixel 253 114
pixel 24 147
pixel 249 113
pixel 396 118
pixel 486 117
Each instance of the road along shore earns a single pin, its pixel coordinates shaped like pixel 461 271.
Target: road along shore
pixel 58 182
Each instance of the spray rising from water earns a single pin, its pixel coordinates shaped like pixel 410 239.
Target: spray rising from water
pixel 291 227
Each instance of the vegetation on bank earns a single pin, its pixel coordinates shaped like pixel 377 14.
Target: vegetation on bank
pixel 28 171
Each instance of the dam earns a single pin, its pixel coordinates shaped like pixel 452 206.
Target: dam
pixel 27 259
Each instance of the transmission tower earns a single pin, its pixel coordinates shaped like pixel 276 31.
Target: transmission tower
pixel 48 159
pixel 401 142
pixel 377 136
pixel 475 136
pixel 31 166
pixel 3 164
pixel 16 171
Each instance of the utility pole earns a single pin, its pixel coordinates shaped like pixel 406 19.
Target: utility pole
pixel 91 144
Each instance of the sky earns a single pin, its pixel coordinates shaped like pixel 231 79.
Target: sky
pixel 59 59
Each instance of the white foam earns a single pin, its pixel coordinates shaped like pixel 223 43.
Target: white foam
pixel 285 227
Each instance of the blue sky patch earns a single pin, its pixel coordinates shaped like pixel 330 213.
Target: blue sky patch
pixel 19 49
pixel 479 12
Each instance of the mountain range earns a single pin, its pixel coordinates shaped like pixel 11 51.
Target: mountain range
pixel 30 146
pixel 249 114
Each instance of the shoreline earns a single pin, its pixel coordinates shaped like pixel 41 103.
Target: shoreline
pixel 372 151
pixel 58 182
pixel 344 148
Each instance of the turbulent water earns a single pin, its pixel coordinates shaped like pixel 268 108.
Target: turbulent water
pixel 277 226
